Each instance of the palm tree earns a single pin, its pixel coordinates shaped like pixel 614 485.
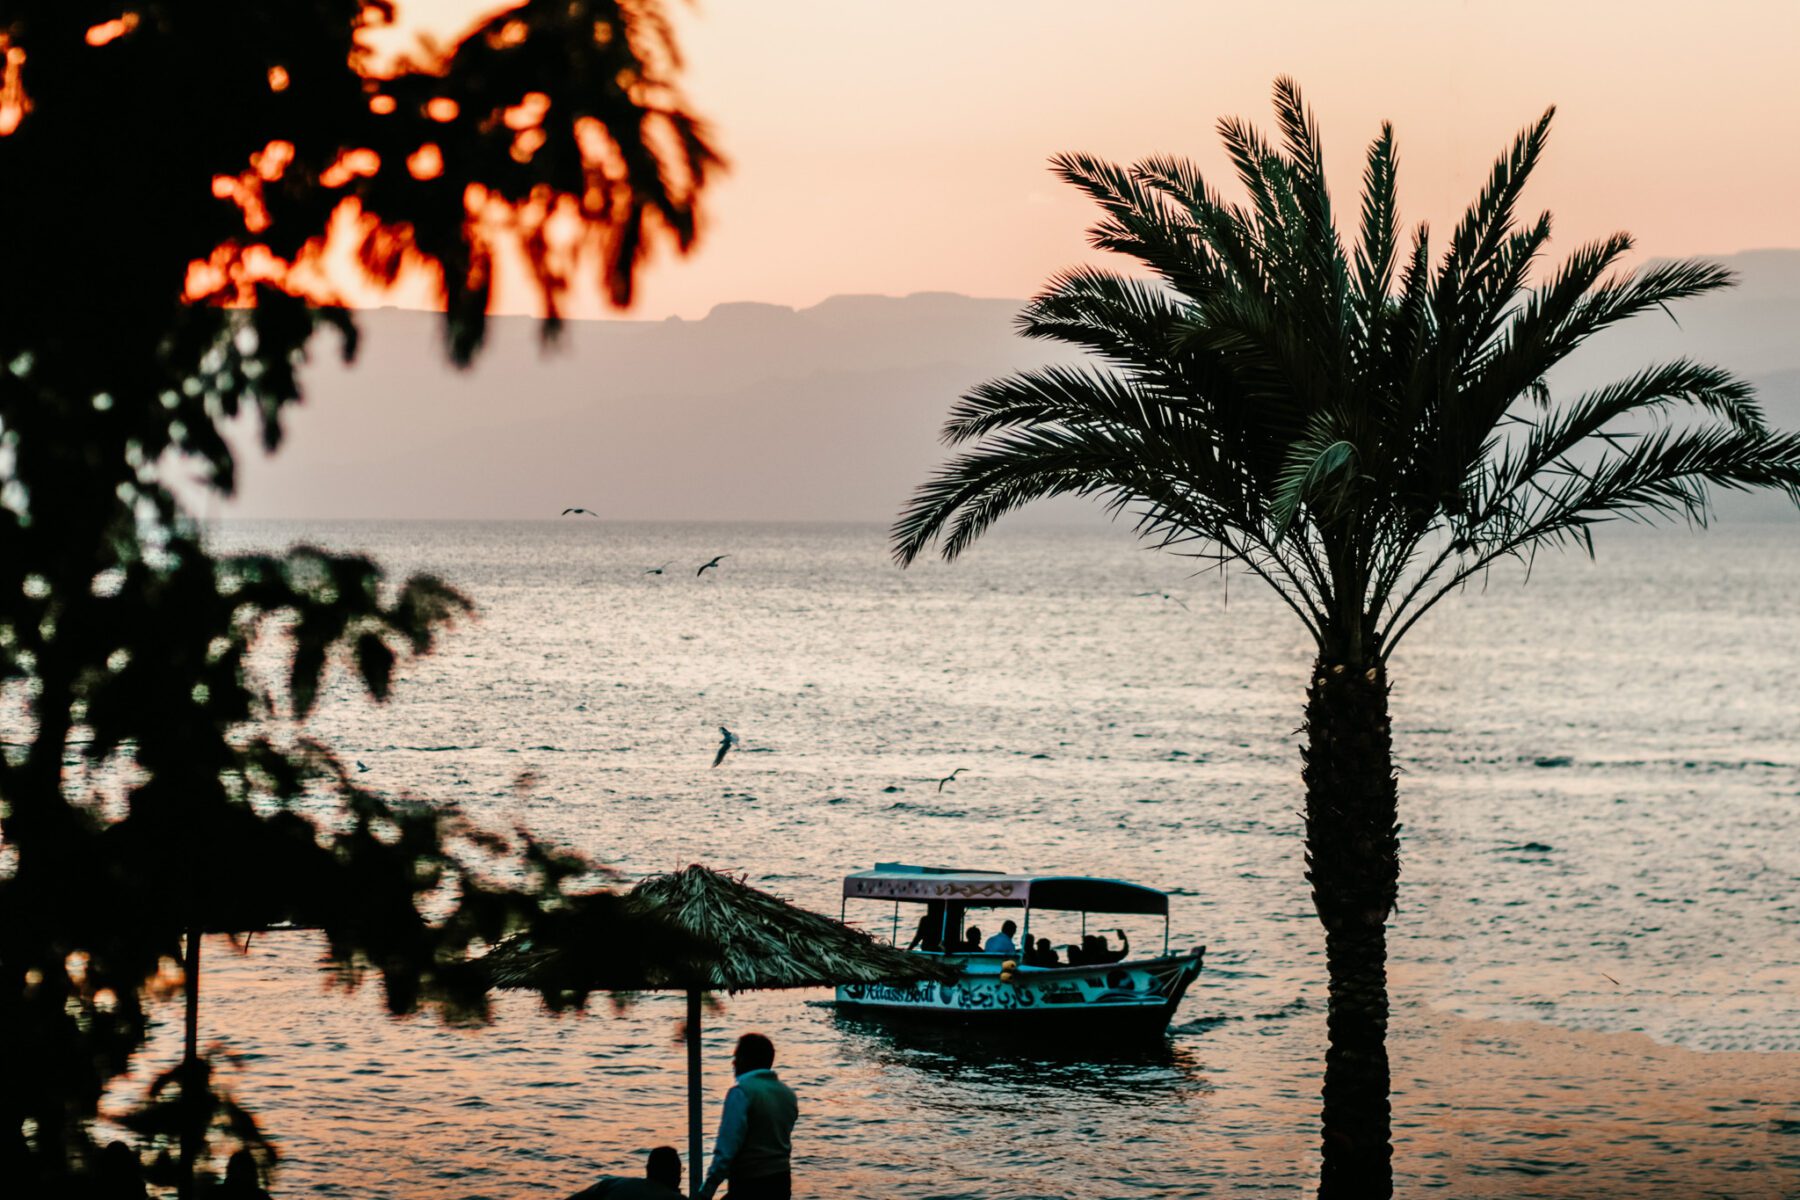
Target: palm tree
pixel 1363 429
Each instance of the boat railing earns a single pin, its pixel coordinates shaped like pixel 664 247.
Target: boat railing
pixel 1002 956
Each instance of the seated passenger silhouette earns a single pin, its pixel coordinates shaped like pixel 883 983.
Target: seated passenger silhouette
pixel 1100 953
pixel 242 1180
pixel 661 1181
pixel 120 1175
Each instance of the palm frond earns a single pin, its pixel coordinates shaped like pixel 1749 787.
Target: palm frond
pixel 1304 158
pixel 1009 470
pixel 1379 244
pixel 1139 222
pixel 1051 395
pixel 1319 467
pixel 1665 475
pixel 1130 322
pixel 1486 224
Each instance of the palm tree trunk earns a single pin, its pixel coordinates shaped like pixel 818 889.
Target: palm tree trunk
pixel 1353 864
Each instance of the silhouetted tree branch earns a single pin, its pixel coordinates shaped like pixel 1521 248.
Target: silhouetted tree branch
pixel 171 175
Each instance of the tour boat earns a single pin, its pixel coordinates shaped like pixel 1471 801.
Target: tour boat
pixel 1131 996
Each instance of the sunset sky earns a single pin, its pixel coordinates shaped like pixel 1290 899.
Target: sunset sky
pixel 892 148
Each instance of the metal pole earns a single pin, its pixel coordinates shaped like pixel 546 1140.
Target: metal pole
pixel 190 1065
pixel 894 937
pixel 696 1172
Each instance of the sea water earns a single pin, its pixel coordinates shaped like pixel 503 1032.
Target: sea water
pixel 1599 774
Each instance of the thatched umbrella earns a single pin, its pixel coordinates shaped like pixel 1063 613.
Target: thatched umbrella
pixel 754 941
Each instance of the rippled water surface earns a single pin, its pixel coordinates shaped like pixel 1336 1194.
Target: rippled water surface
pixel 1600 779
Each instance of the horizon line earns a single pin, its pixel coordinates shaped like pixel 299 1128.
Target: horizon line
pixel 628 316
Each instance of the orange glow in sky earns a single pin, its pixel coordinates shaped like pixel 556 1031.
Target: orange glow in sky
pixel 892 148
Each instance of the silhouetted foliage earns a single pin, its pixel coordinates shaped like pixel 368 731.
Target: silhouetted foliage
pixel 171 174
pixel 1362 430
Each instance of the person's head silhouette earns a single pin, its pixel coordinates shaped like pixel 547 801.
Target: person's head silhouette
pixel 754 1053
pixel 664 1167
pixel 241 1176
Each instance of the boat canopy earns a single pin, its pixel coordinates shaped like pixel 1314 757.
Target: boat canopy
pixel 992 889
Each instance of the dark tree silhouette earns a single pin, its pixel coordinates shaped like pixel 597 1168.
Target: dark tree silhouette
pixel 171 175
pixel 1362 429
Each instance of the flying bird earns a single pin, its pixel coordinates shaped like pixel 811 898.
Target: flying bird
pixel 657 570
pixel 715 562
pixel 360 768
pixel 1166 596
pixel 590 512
pixel 950 778
pixel 727 740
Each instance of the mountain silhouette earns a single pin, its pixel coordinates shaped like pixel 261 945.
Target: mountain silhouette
pixel 764 412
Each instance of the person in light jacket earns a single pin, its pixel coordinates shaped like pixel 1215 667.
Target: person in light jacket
pixel 756 1131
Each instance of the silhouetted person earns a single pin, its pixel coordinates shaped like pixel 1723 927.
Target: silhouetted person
pixel 756 1131
pixel 661 1181
pixel 1044 955
pixel 971 941
pixel 1002 942
pixel 119 1175
pixel 1098 951
pixel 242 1180
pixel 925 937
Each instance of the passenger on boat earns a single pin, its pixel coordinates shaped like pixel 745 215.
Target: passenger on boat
pixel 925 937
pixel 1099 953
pixel 1041 955
pixel 972 942
pixel 1002 942
pixel 243 1179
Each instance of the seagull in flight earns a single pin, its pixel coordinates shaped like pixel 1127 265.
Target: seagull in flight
pixel 1166 596
pixel 727 740
pixel 717 559
pixel 950 778
pixel 657 570
pixel 360 768
pixel 590 512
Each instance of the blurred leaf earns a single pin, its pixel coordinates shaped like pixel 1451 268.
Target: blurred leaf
pixel 376 663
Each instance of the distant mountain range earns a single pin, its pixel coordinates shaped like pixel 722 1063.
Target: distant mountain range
pixel 762 412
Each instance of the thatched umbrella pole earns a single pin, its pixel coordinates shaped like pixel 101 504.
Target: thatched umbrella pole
pixel 742 939
pixel 695 1172
pixel 190 1064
